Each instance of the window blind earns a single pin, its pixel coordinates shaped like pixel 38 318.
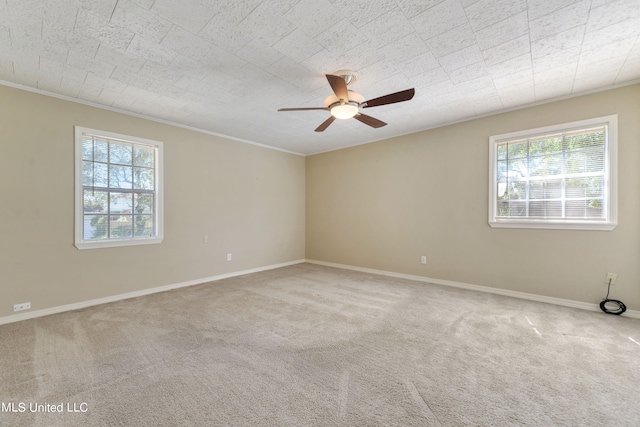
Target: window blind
pixel 560 175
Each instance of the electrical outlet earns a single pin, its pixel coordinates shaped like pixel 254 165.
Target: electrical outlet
pixel 423 259
pixel 23 306
pixel 205 239
pixel 228 257
pixel 611 278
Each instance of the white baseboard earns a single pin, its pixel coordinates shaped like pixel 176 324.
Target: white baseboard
pixel 84 304
pixel 505 292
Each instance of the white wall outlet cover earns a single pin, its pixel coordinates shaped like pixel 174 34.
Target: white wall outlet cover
pixel 23 306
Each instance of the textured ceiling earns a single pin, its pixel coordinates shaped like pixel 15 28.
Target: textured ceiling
pixel 227 66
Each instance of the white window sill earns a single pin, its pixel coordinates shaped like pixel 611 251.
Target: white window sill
pixel 111 243
pixel 554 225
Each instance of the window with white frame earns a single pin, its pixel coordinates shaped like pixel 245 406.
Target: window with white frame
pixel 118 189
pixel 561 176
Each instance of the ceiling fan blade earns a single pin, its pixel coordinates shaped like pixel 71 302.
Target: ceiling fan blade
pixel 368 120
pixel 339 86
pixel 325 124
pixel 392 98
pixel 303 109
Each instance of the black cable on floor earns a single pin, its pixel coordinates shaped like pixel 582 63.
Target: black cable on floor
pixel 621 308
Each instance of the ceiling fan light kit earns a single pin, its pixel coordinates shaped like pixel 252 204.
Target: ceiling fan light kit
pixel 346 104
pixel 344 111
pixel 341 109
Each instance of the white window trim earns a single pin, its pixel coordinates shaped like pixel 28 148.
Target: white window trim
pixel 80 243
pixel 611 186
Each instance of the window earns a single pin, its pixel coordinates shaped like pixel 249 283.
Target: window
pixel 555 177
pixel 118 190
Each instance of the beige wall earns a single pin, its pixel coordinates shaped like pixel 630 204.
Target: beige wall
pixel 379 206
pixel 385 204
pixel 249 200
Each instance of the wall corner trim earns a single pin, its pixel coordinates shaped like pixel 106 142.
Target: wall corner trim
pixel 84 304
pixel 505 292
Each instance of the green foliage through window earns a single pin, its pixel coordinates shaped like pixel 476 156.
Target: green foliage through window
pixel 119 189
pixel 553 176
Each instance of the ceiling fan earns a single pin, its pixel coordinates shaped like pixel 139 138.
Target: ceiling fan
pixel 345 104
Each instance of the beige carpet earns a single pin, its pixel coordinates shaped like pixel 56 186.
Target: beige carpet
pixel 315 346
